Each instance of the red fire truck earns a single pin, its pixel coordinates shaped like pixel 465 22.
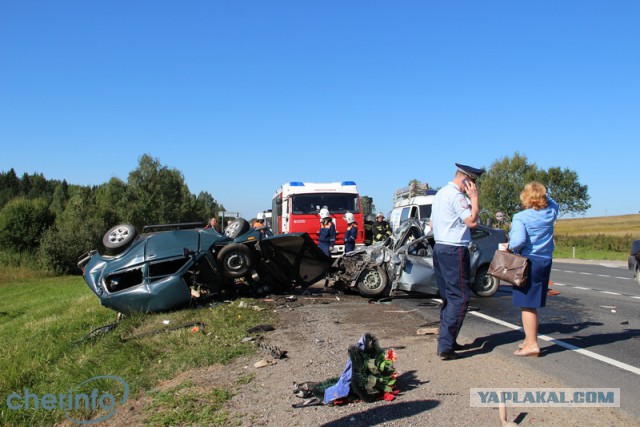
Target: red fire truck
pixel 296 208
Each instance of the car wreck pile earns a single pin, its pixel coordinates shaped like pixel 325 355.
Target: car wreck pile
pixel 177 265
pixel 404 262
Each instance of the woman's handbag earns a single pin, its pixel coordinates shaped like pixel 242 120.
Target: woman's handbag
pixel 510 268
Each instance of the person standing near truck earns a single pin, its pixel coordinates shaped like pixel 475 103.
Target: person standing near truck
pixel 452 218
pixel 380 229
pixel 327 233
pixel 351 233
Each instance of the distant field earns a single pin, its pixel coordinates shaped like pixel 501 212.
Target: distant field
pixel 608 225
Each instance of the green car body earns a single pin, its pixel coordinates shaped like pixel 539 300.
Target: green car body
pixel 163 270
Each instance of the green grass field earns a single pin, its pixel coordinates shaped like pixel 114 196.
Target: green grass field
pixel 42 325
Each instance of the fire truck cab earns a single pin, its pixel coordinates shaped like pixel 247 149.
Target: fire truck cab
pixel 296 208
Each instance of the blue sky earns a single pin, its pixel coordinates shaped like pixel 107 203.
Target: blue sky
pixel 242 96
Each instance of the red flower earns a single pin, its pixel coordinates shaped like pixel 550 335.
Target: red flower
pixel 389 396
pixel 391 355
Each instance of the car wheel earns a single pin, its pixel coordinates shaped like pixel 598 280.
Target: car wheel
pixel 118 238
pixel 237 227
pixel 236 260
pixel 372 282
pixel 485 285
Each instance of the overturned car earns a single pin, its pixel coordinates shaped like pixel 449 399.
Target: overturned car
pixel 174 265
pixel 404 262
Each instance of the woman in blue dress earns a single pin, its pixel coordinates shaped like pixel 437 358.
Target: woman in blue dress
pixel 531 235
pixel 351 233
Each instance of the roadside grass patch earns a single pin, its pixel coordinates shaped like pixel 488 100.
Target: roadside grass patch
pixel 186 404
pixel 43 323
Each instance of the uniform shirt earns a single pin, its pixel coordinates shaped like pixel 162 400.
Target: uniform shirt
pixel 450 208
pixel 532 230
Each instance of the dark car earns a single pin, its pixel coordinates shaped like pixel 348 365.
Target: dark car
pixel 634 259
pixel 404 262
pixel 170 266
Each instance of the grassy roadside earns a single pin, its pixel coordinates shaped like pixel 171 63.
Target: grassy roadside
pixel 43 322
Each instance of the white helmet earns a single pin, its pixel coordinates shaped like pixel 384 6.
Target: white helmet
pixel 349 218
pixel 260 216
pixel 324 213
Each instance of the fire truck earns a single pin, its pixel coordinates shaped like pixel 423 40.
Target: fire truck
pixel 296 208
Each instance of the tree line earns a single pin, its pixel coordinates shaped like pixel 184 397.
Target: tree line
pixel 50 223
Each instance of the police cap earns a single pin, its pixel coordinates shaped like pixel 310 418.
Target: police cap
pixel 471 172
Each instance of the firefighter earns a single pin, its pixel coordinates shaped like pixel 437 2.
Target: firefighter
pixel 351 233
pixel 380 229
pixel 327 233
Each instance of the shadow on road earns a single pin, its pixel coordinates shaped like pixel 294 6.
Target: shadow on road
pixel 384 414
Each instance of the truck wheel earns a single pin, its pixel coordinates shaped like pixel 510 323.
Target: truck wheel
pixel 485 285
pixel 372 282
pixel 118 238
pixel 236 260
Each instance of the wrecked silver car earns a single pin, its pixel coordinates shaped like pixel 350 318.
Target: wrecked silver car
pixel 177 265
pixel 404 262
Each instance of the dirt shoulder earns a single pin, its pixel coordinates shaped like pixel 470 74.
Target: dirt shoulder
pixel 317 330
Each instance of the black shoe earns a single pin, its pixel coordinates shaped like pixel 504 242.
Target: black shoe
pixel 457 346
pixel 447 355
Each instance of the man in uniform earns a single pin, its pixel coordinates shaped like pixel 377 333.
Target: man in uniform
pixel 380 229
pixel 452 216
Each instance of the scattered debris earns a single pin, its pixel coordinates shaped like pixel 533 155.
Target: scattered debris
pixel 166 322
pixel 264 362
pixel 276 352
pixel 97 332
pixel 261 328
pixel 427 331
pixel 200 326
pixel 626 322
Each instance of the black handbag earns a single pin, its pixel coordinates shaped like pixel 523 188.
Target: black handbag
pixel 510 268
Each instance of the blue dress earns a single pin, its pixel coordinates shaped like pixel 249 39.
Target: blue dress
pixel 531 235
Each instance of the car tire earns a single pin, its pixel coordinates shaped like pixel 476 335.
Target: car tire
pixel 237 227
pixel 485 285
pixel 118 238
pixel 236 260
pixel 373 282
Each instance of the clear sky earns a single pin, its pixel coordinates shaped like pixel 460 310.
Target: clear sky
pixel 242 96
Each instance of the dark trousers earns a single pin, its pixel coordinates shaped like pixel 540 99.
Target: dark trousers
pixel 452 275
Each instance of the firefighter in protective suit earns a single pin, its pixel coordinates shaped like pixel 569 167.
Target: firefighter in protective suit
pixel 380 229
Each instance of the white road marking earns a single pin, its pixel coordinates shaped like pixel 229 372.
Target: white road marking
pixel 586 274
pixel 636 297
pixel 580 287
pixel 558 284
pixel 568 346
pixel 610 293
pixel 623 278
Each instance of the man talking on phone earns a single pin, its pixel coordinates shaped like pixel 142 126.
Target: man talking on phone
pixel 454 212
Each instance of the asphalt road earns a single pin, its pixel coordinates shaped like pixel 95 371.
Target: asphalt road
pixel 589 332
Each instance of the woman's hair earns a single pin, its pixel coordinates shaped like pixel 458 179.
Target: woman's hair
pixel 534 196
